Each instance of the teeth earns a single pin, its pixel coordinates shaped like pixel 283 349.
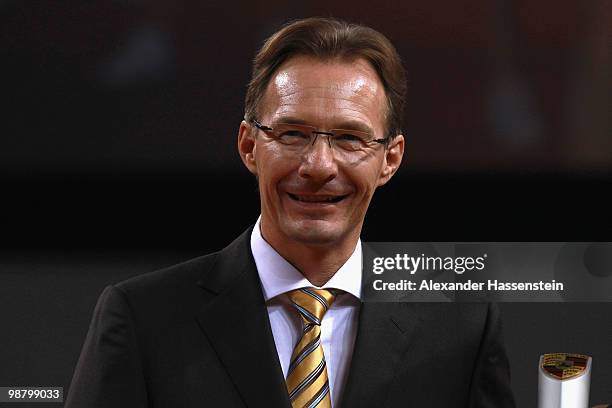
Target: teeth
pixel 316 199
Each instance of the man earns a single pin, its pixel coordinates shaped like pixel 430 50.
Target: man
pixel 276 318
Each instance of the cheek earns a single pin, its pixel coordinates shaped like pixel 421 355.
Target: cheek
pixel 367 181
pixel 272 167
pixel 264 154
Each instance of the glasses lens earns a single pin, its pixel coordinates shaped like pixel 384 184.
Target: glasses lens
pixel 293 135
pixel 351 141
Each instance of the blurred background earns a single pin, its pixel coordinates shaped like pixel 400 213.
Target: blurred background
pixel 118 157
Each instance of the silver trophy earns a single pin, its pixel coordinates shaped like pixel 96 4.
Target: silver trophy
pixel 564 380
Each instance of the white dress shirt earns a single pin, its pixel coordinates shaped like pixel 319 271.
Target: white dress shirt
pixel 339 325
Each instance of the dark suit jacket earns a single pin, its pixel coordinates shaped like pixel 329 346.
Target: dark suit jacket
pixel 198 335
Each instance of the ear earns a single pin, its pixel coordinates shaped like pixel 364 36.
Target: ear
pixel 246 146
pixel 393 158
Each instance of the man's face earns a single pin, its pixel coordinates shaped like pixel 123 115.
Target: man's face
pixel 317 197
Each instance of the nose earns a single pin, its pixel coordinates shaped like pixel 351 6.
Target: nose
pixel 318 162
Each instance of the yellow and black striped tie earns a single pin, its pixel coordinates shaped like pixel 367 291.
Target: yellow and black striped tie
pixel 307 381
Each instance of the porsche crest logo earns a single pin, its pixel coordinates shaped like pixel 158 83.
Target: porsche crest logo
pixel 563 366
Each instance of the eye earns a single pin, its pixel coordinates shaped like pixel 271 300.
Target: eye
pixel 293 133
pixel 293 136
pixel 348 137
pixel 349 141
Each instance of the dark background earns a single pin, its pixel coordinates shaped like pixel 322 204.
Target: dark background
pixel 118 157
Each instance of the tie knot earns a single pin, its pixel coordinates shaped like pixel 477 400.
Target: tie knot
pixel 312 303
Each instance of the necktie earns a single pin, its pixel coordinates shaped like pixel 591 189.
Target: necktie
pixel 307 381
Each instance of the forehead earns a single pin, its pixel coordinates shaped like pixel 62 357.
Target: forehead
pixel 326 93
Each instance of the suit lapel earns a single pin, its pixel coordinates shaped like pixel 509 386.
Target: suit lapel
pixel 384 332
pixel 383 336
pixel 235 320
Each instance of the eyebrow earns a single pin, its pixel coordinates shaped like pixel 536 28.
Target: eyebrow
pixel 346 125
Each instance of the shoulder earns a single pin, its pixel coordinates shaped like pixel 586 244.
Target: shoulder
pixel 162 293
pixel 184 273
pixel 471 313
pixel 478 317
pixel 450 323
pixel 185 285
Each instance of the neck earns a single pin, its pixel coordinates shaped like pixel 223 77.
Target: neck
pixel 318 263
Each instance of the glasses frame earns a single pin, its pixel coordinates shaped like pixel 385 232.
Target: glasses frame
pixel 330 133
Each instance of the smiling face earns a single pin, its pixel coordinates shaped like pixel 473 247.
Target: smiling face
pixel 317 198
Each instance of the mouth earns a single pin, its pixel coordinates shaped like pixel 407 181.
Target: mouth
pixel 317 198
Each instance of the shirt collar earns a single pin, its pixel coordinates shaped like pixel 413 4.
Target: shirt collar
pixel 278 276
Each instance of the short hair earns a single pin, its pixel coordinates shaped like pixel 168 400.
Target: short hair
pixel 328 39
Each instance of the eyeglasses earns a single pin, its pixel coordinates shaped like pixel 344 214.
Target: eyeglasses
pixel 296 137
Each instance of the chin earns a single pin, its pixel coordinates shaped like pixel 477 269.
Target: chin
pixel 314 232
